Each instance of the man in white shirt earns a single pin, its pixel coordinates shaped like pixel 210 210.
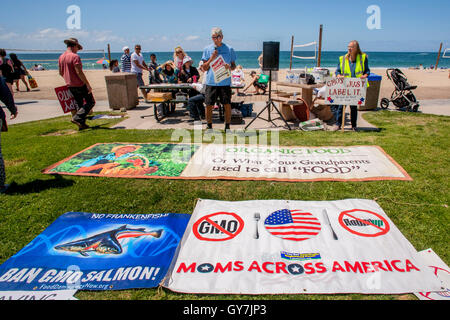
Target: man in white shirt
pixel 137 65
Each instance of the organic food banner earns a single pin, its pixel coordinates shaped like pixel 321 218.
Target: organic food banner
pixel 234 162
pixel 89 251
pixel 279 246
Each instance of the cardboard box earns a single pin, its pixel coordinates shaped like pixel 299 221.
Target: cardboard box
pixel 159 96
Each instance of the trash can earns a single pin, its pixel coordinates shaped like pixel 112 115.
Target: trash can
pixel 122 90
pixel 373 92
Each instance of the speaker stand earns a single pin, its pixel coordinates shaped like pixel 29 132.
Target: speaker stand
pixel 268 106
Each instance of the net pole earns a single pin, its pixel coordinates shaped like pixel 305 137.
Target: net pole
pixel 439 57
pixel 320 46
pixel 292 52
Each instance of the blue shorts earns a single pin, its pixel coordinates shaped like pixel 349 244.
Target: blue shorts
pixel 140 81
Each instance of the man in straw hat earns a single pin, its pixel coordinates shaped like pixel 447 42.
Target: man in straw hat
pixel 218 90
pixel 71 69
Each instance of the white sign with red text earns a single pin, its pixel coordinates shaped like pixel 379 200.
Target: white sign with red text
pixel 289 247
pixel 220 71
pixel 441 271
pixel 346 91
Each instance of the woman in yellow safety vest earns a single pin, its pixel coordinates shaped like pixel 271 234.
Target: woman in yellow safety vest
pixel 354 64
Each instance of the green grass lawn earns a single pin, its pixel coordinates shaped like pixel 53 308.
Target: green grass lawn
pixel 419 208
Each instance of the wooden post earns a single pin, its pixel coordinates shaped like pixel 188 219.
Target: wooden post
pixel 292 48
pixel 343 118
pixel 320 46
pixel 109 53
pixel 439 57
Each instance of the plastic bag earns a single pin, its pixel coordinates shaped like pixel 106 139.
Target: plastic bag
pixel 311 125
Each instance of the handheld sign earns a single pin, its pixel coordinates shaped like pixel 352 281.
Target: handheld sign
pixel 220 71
pixel 66 99
pixel 346 91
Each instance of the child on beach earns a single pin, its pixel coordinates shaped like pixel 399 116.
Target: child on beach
pixel 153 77
pixel 114 66
pixel 238 78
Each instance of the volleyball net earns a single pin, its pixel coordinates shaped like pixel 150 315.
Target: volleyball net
pixel 55 51
pixel 311 44
pixel 446 54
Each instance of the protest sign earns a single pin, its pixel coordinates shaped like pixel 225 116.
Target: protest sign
pixel 346 91
pixel 96 252
pixel 66 99
pixel 220 71
pixel 280 246
pixel 234 162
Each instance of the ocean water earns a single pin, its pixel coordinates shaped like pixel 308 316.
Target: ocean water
pixel 249 59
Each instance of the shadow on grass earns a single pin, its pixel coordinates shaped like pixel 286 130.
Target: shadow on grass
pixel 39 185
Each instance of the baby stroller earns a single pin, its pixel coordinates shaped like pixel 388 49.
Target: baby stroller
pixel 402 97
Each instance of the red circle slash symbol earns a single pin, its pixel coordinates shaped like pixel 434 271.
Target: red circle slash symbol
pixel 218 226
pixel 364 223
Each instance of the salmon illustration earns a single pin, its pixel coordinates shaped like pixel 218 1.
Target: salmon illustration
pixel 106 242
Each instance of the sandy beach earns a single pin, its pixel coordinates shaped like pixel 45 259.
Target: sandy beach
pixel 431 84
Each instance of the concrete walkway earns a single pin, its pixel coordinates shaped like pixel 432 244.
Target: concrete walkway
pixel 34 110
pixel 436 106
pixel 142 117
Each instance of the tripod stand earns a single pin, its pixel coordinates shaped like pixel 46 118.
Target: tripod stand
pixel 268 106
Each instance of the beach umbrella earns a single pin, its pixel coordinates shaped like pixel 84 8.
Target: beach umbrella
pixel 103 61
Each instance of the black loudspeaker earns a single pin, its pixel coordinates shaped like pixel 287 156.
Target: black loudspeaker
pixel 271 56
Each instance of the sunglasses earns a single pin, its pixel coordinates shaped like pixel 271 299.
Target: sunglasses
pixel 215 37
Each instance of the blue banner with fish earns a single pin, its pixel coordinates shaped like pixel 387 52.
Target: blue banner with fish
pixel 90 251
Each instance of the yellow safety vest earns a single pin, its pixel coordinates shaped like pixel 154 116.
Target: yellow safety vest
pixel 359 69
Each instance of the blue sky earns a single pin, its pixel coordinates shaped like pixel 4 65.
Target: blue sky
pixel 413 25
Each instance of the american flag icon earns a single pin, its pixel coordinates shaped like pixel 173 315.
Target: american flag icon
pixel 292 225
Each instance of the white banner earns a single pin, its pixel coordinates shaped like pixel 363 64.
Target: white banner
pixel 38 295
pixel 441 271
pixel 279 246
pixel 346 91
pixel 246 162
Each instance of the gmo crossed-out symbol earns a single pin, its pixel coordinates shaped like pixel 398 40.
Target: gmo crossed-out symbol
pixel 218 226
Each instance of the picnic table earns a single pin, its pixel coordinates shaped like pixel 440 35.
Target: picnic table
pixel 161 109
pixel 306 90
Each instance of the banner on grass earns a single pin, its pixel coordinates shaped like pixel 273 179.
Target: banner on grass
pixel 278 246
pixel 38 295
pixel 96 252
pixel 234 162
pixel 441 271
